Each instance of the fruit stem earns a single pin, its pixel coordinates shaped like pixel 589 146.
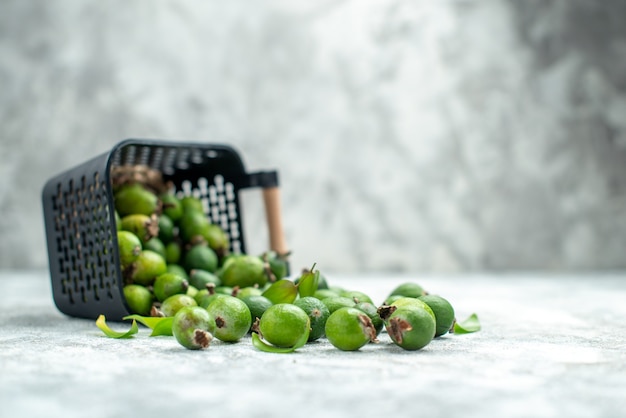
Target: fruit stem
pixel 211 288
pixel 385 311
pixel 255 327
pixel 202 338
pixel 156 313
pixel 368 327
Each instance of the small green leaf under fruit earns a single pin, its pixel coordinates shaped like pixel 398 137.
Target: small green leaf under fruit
pixel 163 327
pixel 267 348
pixel 101 323
pixel 471 324
pixel 158 325
pixel 282 291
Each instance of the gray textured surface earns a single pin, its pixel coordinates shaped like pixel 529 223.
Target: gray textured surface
pixel 443 136
pixel 551 346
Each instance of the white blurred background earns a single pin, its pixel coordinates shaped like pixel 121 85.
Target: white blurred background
pixel 410 136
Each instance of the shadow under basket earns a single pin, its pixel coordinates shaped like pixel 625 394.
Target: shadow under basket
pixel 80 222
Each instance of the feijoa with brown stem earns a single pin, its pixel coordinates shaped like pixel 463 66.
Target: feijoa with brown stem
pixel 349 329
pixel 193 327
pixel 409 327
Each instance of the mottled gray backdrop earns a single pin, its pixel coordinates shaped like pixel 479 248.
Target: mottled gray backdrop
pixel 410 135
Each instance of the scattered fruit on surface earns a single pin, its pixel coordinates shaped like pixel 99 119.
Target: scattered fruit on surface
pixel 443 310
pixel 409 327
pixel 284 324
pixel 408 289
pixel 349 329
pixel 232 318
pixel 318 315
pixel 193 327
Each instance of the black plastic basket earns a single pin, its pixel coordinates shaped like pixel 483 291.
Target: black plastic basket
pixel 80 219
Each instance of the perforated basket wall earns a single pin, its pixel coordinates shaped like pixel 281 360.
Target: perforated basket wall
pixel 80 219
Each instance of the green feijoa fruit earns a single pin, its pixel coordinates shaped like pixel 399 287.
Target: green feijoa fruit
pixel 318 315
pixel 147 267
pixel 145 227
pixel 177 269
pixel 349 329
pixel 372 312
pixel 175 303
pixel 138 299
pixel 402 302
pixel 192 291
pixel 129 247
pixel 224 290
pixel 244 271
pixel 156 245
pixel 443 310
pixel 216 237
pixel 168 284
pixel 166 228
pixel 356 295
pixel 410 327
pixel 248 291
pixel 284 324
pixel 325 293
pixel 391 299
pixel 191 204
pixel 172 207
pixel 201 297
pixel 232 318
pixel 204 297
pixel 200 257
pixel 201 278
pixel 173 252
pixel 193 224
pixel 257 305
pixel 277 262
pixel 408 289
pixel 135 199
pixel 192 327
pixel 322 283
pixel 335 302
pixel 226 259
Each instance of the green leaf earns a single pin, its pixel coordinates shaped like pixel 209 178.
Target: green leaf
pixel 263 346
pixel 158 325
pixel 163 327
pixel 303 340
pixel 307 285
pixel 149 321
pixel 471 324
pixel 101 323
pixel 282 291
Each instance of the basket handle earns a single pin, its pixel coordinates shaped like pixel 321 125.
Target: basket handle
pixel 273 213
pixel 268 182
